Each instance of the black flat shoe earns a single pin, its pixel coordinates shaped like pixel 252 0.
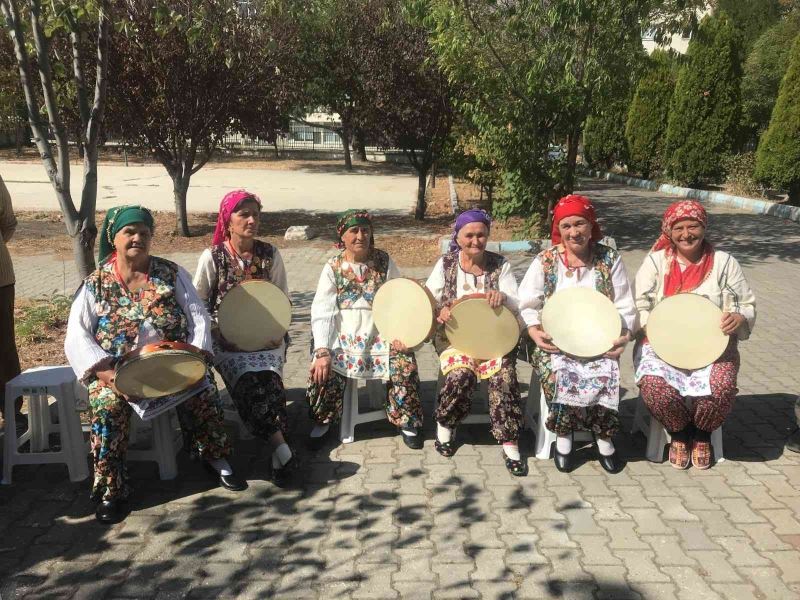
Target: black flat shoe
pixel 282 476
pixel 232 482
pixel 518 468
pixel 611 464
pixel 446 449
pixel 109 512
pixel 563 462
pixel 415 442
pixel 316 443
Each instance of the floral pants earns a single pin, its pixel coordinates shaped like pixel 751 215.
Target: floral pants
pixel 260 399
pixel 402 403
pixel 707 412
pixel 505 409
pixel 201 420
pixel 563 419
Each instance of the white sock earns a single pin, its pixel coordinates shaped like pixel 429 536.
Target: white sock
pixel 443 434
pixel 408 430
pixel 221 466
pixel 320 430
pixel 564 444
pixel 512 450
pixel 605 447
pixel 281 455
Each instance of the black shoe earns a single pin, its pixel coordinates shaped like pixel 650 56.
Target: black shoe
pixel 518 468
pixel 611 464
pixel 109 512
pixel 229 482
pixel 563 461
pixel 793 443
pixel 415 442
pixel 282 476
pixel 316 443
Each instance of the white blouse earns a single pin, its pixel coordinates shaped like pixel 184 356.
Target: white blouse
pixel 205 278
pixel 467 283
pixel 84 353
pixel 725 286
pixel 326 317
pixel 531 290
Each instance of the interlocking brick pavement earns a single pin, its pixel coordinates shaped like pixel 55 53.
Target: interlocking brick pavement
pixel 374 519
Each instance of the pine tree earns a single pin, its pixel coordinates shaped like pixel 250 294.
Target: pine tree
pixel 704 118
pixel 604 135
pixel 646 126
pixel 778 156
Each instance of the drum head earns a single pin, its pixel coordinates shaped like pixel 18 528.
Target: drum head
pixel 684 331
pixel 159 374
pixel 480 331
pixel 582 322
pixel 254 313
pixel 403 310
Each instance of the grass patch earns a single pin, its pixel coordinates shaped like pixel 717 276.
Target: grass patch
pixel 41 320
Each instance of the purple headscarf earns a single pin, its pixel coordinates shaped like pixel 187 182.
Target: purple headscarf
pixel 475 215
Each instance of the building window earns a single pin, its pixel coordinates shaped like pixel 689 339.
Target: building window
pixel 649 33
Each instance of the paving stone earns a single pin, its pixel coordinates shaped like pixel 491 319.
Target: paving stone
pixel 375 581
pixel 735 591
pixel 788 562
pixel 739 511
pixel 693 537
pixel 415 565
pixel 716 523
pixel 522 549
pixel 716 564
pixel 783 521
pixel 692 585
pixel 741 553
pixel 454 581
pixel 768 582
pixel 668 551
pixel 623 536
pixel 640 566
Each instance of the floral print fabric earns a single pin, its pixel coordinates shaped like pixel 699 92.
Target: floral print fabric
pixel 260 399
pixel 350 288
pixel 586 383
pixel 686 383
pixel 455 359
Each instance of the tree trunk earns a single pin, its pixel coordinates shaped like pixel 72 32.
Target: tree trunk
pixel 419 212
pixel 361 144
pixel 572 159
pixel 180 187
pixel 433 175
pixel 794 194
pixel 18 137
pixel 83 245
pixel 345 135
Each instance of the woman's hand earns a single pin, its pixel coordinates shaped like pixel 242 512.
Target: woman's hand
pixel 495 298
pixel 106 374
pixel 731 322
pixel 444 315
pixel 618 347
pixel 542 339
pixel 399 346
pixel 320 369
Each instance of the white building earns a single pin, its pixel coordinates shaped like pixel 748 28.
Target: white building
pixel 678 42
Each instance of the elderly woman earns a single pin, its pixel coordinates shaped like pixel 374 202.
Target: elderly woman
pixel 133 295
pixel 254 379
pixel 346 341
pixel 577 259
pixel 683 261
pixel 468 268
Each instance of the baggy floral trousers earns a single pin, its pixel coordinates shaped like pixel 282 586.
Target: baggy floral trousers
pixel 260 399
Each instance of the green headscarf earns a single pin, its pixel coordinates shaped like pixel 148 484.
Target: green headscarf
pixel 349 218
pixel 117 218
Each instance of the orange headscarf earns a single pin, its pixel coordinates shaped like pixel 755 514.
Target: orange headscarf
pixel 574 206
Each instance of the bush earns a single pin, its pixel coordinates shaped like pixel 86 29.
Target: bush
pixel 604 141
pixel 705 114
pixel 740 179
pixel 646 126
pixel 778 157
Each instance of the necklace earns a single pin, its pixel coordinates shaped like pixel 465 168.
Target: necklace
pixel 571 271
pixel 475 277
pixel 249 268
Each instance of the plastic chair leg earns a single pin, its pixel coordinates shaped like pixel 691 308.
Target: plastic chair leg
pixel 72 435
pixel 164 448
pixel 349 410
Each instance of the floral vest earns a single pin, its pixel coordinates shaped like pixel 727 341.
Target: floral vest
pixel 229 273
pixel 494 263
pixel 121 314
pixel 348 289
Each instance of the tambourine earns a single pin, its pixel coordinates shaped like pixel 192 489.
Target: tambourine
pixel 404 310
pixel 684 331
pixel 159 369
pixel 582 322
pixel 253 313
pixel 480 331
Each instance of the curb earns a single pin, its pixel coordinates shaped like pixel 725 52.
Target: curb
pixel 453 195
pixel 759 207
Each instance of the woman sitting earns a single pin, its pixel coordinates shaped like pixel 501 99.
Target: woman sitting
pixel 254 379
pixel 683 261
pixel 577 259
pixel 134 294
pixel 468 268
pixel 346 341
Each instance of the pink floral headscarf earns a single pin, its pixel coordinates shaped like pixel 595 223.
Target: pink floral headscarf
pixel 227 207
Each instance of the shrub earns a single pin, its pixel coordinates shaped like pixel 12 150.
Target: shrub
pixel 778 156
pixel 704 118
pixel 739 178
pixel 604 141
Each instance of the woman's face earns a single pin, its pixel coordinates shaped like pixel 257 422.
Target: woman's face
pixel 133 241
pixel 356 239
pixel 576 233
pixel 688 236
pixel 244 220
pixel 472 239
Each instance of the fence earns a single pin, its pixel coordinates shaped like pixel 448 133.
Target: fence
pixel 300 137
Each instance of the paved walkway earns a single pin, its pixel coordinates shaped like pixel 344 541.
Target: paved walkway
pixel 375 520
pixel 325 187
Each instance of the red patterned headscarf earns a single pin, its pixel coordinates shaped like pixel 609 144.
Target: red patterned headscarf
pixel 678 281
pixel 227 207
pixel 575 206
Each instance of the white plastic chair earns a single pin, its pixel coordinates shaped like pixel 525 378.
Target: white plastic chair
pixel 536 410
pixel 164 443
pixel 350 415
pixel 40 384
pixel 658 437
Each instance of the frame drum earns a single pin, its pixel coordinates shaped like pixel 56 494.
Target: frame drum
pixel 404 310
pixel 480 331
pixel 253 313
pixel 684 331
pixel 582 322
pixel 159 369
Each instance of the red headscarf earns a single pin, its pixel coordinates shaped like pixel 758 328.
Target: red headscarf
pixel 226 208
pixel 574 206
pixel 675 280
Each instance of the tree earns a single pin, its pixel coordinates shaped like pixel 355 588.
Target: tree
pixel 73 25
pixel 762 75
pixel 646 125
pixel 185 73
pixel 778 156
pixel 751 17
pixel 705 115
pixel 604 140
